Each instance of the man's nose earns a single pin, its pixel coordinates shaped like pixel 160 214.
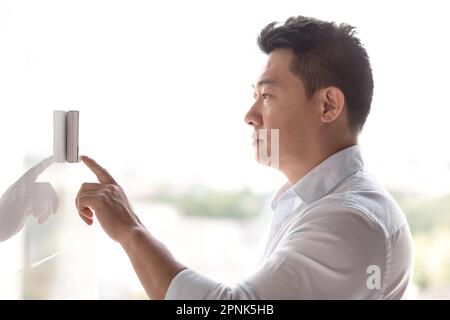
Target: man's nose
pixel 253 117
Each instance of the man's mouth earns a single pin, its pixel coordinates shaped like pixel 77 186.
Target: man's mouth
pixel 255 141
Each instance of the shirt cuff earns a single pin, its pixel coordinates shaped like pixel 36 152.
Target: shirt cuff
pixel 189 285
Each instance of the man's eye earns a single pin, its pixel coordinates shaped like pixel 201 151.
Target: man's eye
pixel 263 95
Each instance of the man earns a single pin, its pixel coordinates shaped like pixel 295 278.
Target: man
pixel 335 232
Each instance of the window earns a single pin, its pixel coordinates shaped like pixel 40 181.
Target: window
pixel 162 90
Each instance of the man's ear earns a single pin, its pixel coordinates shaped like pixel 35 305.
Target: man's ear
pixel 333 101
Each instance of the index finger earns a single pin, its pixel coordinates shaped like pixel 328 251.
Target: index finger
pixel 103 176
pixel 33 173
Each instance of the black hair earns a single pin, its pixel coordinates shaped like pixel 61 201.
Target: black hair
pixel 326 54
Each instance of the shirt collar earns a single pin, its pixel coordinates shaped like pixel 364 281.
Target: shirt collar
pixel 320 180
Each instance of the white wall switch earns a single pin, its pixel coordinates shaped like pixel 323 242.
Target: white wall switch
pixel 65 136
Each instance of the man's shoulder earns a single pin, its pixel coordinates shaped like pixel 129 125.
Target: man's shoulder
pixel 362 194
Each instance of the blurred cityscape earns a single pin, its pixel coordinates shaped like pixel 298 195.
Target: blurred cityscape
pixel 214 232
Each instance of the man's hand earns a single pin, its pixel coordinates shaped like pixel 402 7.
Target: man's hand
pixel 109 203
pixel 153 263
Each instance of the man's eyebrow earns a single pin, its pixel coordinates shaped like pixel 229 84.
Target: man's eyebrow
pixel 265 82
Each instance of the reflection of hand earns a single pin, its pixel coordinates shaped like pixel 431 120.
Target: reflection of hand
pixel 109 202
pixel 27 197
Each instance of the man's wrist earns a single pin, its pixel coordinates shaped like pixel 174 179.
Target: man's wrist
pixel 132 235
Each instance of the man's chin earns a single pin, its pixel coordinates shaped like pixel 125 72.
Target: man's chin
pixel 264 161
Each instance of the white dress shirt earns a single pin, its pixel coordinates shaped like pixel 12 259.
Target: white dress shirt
pixel 335 234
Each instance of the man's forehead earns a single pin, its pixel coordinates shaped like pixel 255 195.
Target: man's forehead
pixel 279 58
pixel 268 76
pixel 276 63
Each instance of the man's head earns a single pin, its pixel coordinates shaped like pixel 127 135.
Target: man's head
pixel 316 88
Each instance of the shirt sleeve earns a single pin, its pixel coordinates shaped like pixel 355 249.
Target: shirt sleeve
pixel 331 253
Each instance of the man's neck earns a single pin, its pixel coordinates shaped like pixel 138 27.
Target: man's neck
pixel 299 168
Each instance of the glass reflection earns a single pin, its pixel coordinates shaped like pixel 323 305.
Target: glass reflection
pixel 26 198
